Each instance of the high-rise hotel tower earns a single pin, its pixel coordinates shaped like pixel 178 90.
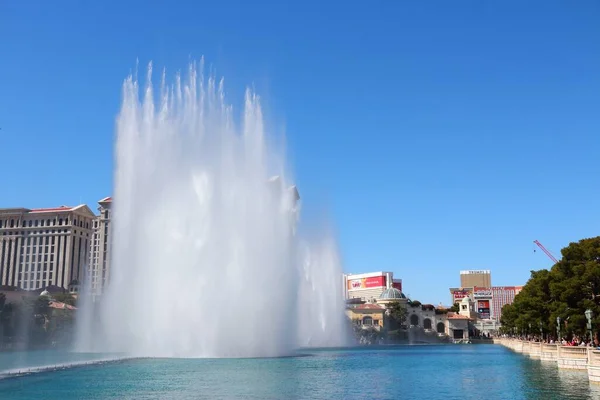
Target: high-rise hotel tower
pixel 45 246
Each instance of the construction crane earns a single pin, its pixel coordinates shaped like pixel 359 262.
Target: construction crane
pixel 546 251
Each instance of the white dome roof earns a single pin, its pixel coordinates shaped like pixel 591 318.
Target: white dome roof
pixel 391 293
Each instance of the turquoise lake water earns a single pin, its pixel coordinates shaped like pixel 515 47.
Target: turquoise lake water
pixel 403 372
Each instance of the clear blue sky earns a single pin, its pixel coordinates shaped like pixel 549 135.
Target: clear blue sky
pixel 435 135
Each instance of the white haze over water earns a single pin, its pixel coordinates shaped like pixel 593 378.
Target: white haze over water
pixel 205 259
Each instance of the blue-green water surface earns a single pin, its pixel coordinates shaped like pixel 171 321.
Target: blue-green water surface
pixel 11 362
pixel 403 372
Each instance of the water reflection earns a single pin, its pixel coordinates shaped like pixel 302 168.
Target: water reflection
pixel 544 380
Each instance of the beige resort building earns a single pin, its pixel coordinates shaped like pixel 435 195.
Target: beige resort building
pixel 421 319
pixel 48 247
pixel 99 264
pixel 45 246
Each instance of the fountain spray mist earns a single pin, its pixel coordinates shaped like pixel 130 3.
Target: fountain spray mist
pixel 205 259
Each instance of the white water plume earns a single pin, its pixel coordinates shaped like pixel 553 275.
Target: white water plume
pixel 205 260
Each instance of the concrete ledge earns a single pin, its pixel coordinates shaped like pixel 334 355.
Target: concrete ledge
pixel 565 357
pixel 535 350
pixel 548 356
pixel 594 374
pixel 572 357
pixel 565 363
pixel 548 352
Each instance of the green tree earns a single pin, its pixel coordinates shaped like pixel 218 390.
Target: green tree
pixel 569 288
pixel 397 314
pixel 41 305
pixel 66 298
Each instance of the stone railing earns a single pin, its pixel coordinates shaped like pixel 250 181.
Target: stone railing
pixel 571 357
pixel 593 367
pixel 566 357
pixel 519 346
pixel 549 352
pixel 535 349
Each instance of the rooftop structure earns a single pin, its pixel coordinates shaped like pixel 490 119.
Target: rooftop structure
pixel 371 285
pixel 391 293
pixel 472 278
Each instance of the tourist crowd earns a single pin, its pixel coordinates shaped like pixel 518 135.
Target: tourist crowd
pixel 574 341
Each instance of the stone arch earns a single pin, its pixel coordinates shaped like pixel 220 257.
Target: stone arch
pixel 414 319
pixel 441 328
pixel 426 323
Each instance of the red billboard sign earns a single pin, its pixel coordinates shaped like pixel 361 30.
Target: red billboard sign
pixel 460 294
pixel 397 285
pixel 375 281
pixel 366 283
pixel 483 309
pixel 483 304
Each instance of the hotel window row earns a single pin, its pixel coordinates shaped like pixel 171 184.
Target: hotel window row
pixel 12 223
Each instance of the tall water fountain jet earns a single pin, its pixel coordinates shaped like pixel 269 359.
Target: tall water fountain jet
pixel 205 259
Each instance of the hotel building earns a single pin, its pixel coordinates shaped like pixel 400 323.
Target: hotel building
pixel 501 296
pixel 369 285
pixel 99 265
pixel 45 246
pixel 481 278
pixel 488 300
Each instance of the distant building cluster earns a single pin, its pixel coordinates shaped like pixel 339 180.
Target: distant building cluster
pixel 475 312
pixel 368 296
pixel 60 247
pixel 489 300
pixel 55 247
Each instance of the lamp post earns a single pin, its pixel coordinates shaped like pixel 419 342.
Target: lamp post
pixel 541 331
pixel 589 314
pixel 558 330
pixel 529 331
